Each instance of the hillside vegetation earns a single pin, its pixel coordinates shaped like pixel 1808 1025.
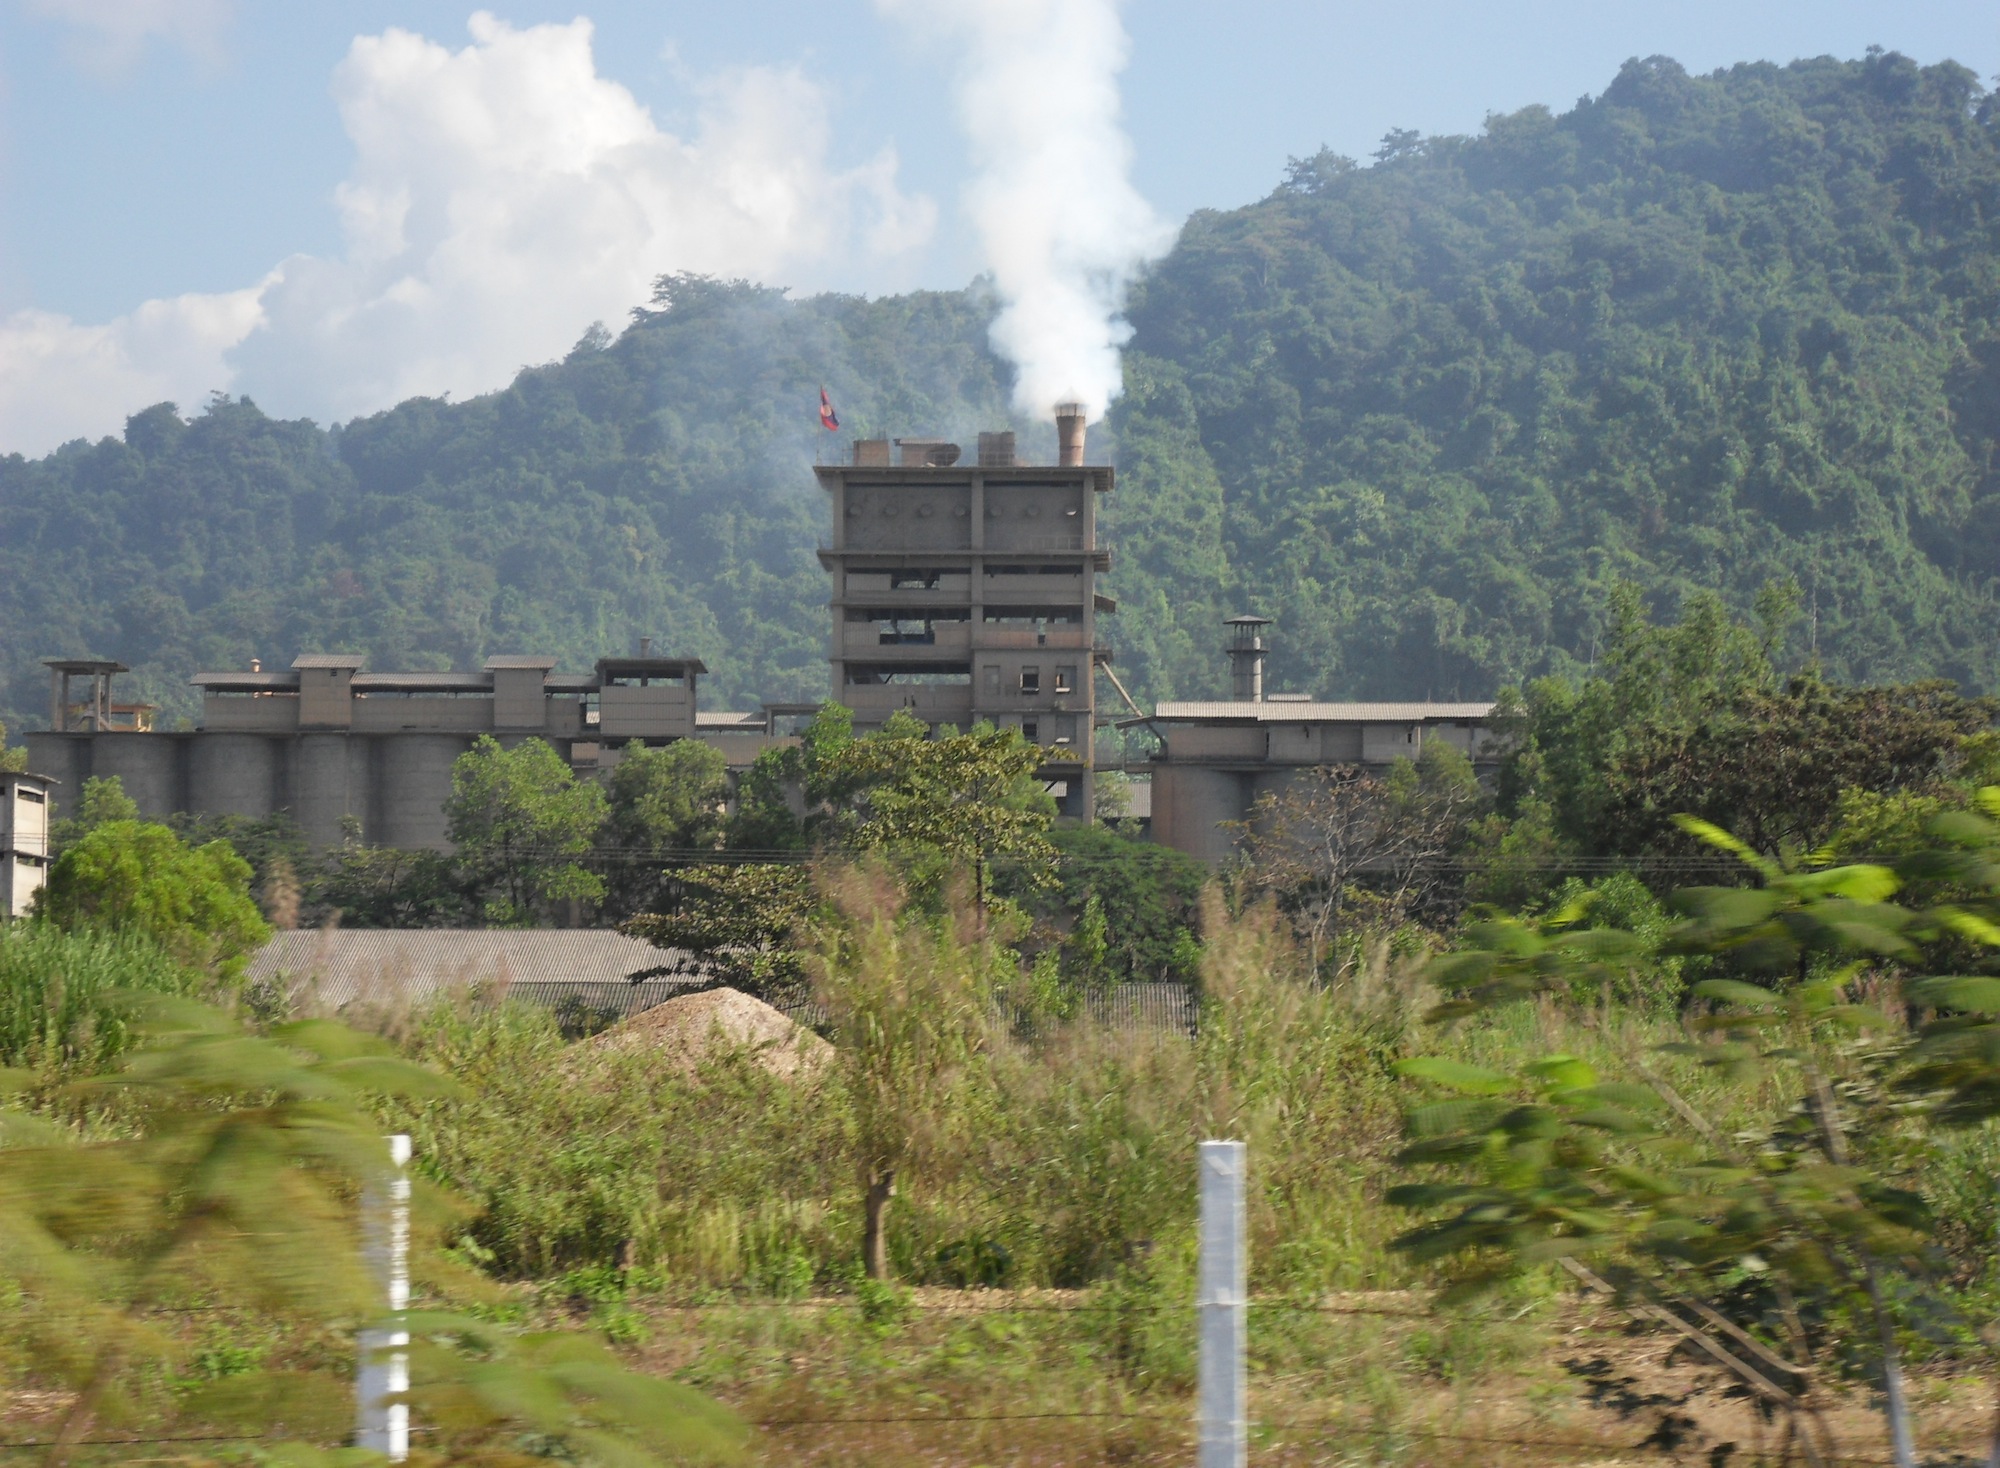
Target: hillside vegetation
pixel 1697 332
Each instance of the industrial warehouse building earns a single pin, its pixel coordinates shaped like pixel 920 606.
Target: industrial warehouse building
pixel 968 592
pixel 344 750
pixel 959 593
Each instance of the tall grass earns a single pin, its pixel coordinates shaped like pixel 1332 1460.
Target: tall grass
pixel 62 1001
pixel 1061 1159
pixel 1060 1154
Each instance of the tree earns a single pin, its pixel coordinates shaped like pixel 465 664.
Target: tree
pixel 664 801
pixel 1674 1211
pixel 935 804
pixel 194 902
pixel 1338 834
pixel 908 1005
pixel 745 925
pixel 1774 767
pixel 102 800
pixel 387 887
pixel 522 824
pixel 12 761
pixel 1150 893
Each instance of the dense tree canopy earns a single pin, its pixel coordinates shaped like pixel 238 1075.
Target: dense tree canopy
pixel 134 877
pixel 1696 333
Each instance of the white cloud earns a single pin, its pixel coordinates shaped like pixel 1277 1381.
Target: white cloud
pixel 112 33
pixel 503 196
pixel 60 380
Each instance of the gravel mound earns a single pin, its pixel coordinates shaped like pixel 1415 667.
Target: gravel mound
pixel 690 1029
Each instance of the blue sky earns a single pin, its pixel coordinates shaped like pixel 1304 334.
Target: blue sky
pixel 183 150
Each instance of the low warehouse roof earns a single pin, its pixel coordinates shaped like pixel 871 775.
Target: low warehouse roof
pixel 335 967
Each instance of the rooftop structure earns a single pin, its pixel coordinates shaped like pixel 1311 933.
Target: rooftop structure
pixel 1216 759
pixel 967 592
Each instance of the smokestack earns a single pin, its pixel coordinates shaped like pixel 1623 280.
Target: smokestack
pixel 645 647
pixel 1069 434
pixel 1247 650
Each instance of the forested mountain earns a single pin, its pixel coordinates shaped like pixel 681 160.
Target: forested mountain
pixel 1695 332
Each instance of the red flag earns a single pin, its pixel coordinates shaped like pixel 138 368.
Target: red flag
pixel 828 419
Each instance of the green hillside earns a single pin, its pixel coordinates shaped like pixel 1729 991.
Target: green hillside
pixel 1697 332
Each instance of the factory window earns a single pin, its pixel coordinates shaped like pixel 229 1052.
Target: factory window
pixel 1065 728
pixel 1029 730
pixel 992 677
pixel 1031 680
pixel 33 797
pixel 879 674
pixel 1066 678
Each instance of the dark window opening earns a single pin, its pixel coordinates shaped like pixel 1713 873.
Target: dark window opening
pixel 879 675
pixel 1066 679
pixel 1031 680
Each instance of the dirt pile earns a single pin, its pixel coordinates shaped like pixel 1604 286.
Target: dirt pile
pixel 686 1031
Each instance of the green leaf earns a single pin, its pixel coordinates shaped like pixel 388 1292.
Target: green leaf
pixel 1455 1075
pixel 1722 840
pixel 1564 1071
pixel 1976 994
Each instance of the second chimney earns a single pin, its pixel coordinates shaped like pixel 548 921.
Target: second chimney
pixel 1247 649
pixel 1069 434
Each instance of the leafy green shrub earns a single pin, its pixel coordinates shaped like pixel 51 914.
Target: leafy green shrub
pixel 132 876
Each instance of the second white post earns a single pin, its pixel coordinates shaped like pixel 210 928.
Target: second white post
pixel 1222 1301
pixel 385 1371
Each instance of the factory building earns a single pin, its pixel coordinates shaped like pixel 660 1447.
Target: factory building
pixel 1215 760
pixel 25 801
pixel 967 592
pixel 339 747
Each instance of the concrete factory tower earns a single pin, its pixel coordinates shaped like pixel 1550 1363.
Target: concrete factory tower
pixel 964 592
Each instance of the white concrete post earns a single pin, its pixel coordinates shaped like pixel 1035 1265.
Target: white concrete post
pixel 384 1371
pixel 1222 1301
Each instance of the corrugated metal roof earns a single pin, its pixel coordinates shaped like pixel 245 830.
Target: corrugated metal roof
pixel 1289 712
pixel 423 683
pixel 521 660
pixel 329 660
pixel 341 965
pixel 722 719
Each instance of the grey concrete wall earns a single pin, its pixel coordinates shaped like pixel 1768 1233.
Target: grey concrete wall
pixel 325 786
pixel 61 758
pixel 151 768
pixel 412 782
pixel 233 774
pixel 1190 805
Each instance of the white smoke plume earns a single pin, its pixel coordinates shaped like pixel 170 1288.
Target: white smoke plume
pixel 1063 229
